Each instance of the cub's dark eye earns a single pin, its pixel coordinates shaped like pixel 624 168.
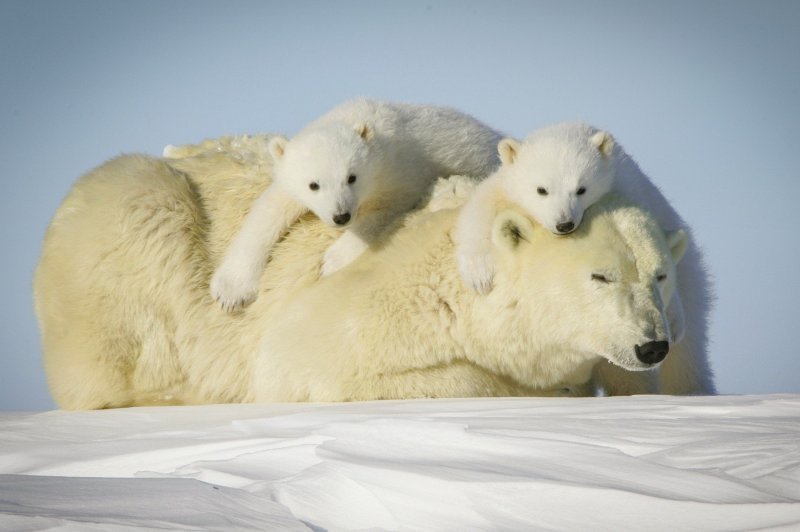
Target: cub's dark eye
pixel 313 185
pixel 542 191
pixel 600 278
pixel 661 277
pixel 581 191
pixel 351 180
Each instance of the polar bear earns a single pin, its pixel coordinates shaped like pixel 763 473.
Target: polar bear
pixel 121 287
pixel 555 174
pixel 358 168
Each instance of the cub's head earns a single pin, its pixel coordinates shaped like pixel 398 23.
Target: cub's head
pixel 601 291
pixel 329 169
pixel 558 172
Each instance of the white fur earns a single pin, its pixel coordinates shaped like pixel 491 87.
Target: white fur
pixel 563 160
pixel 121 297
pixel 393 151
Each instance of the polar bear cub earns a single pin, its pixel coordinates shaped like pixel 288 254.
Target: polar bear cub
pixel 358 167
pixel 555 174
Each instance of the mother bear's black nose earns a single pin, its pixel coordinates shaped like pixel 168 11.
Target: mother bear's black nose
pixel 652 352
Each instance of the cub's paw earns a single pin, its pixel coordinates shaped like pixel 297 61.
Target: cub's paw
pixel 341 253
pixel 232 289
pixel 477 271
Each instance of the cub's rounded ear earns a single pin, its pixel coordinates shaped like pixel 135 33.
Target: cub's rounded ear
pixel 511 229
pixel 604 142
pixel 508 149
pixel 277 146
pixel 678 242
pixel 364 131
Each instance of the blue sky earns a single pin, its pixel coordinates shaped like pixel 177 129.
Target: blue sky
pixel 702 94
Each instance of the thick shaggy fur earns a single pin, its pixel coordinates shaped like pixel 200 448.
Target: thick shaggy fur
pixel 121 294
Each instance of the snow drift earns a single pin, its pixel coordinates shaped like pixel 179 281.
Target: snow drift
pixel 643 462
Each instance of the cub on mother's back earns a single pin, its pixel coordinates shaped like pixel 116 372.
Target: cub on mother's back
pixel 357 168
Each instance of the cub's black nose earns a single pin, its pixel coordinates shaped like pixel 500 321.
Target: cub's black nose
pixel 652 352
pixel 565 227
pixel 341 219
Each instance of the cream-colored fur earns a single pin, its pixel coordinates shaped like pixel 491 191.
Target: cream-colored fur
pixel 121 293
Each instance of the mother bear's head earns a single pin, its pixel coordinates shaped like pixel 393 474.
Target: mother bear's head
pixel 603 289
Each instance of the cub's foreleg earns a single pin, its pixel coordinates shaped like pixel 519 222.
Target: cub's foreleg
pixel 235 282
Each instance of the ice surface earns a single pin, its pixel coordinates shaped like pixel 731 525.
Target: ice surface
pixel 632 463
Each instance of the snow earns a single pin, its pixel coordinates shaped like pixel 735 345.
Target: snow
pixel 628 463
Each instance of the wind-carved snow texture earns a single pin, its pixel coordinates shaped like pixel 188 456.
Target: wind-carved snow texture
pixel 632 463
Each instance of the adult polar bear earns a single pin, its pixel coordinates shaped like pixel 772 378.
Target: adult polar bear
pixel 121 293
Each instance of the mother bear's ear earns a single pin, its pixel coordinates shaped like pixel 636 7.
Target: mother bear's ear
pixel 678 242
pixel 511 228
